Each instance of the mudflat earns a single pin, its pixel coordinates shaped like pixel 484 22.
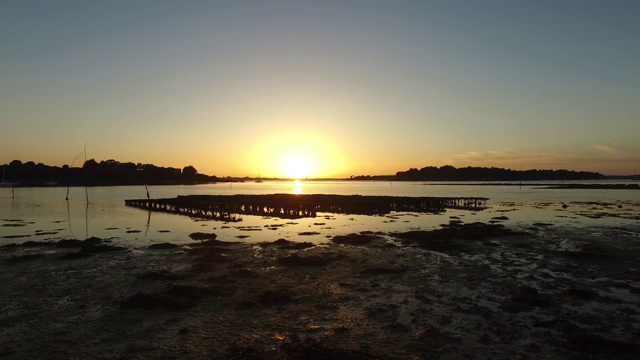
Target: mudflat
pixel 464 290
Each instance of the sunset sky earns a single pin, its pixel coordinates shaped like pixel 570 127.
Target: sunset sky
pixel 322 88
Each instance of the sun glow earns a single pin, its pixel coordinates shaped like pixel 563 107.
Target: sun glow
pixel 295 154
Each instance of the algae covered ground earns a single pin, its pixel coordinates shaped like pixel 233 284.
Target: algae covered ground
pixel 474 290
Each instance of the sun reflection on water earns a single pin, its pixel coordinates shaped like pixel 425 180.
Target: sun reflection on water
pixel 297 187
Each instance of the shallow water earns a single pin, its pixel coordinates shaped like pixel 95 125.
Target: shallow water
pixel 42 214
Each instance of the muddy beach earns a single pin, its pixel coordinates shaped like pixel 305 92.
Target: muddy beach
pixel 478 290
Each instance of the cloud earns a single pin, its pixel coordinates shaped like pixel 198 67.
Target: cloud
pixel 604 149
pixel 513 159
pixel 507 158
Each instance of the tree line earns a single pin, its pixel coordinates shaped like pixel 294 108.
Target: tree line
pixel 450 173
pixel 112 172
pixel 107 172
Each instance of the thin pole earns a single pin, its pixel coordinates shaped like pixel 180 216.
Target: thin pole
pixel 73 162
pixel 86 191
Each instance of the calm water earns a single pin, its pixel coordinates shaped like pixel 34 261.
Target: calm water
pixel 41 214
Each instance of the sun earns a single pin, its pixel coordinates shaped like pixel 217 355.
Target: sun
pixel 294 154
pixel 297 166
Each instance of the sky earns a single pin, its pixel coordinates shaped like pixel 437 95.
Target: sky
pixel 322 88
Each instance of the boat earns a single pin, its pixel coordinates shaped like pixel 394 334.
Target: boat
pixel 51 182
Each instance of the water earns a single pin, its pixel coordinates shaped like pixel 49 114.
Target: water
pixel 42 214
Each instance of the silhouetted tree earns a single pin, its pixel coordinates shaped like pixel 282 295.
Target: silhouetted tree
pixel 189 171
pixel 90 164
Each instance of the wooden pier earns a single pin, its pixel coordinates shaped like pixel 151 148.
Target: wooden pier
pixel 289 206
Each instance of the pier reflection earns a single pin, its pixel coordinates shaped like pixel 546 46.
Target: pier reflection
pixel 295 206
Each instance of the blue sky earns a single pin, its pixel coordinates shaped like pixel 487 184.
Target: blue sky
pixel 338 88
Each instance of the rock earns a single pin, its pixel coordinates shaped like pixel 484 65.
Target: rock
pixel 203 267
pixel 176 297
pixel 500 218
pixel 75 255
pixel 203 236
pixel 164 246
pixel 246 304
pixel 162 274
pixel 354 239
pixel 297 246
pixel 270 298
pixel 206 250
pixel 8 350
pixel 514 308
pixel 189 291
pixel 244 274
pixel 529 296
pixel 23 258
pixel 93 249
pixel 341 329
pixel 31 243
pixel 92 241
pixel 69 243
pixel 279 242
pixel 150 301
pixel 583 294
pixel 527 292
pixel 589 343
pixel 396 327
pixel 383 271
pixel 212 242
pixel 245 352
pixel 454 238
pixel 297 260
pixel 92 245
pixel 213 258
pixel 312 349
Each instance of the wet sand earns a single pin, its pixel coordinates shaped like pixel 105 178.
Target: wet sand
pixel 478 291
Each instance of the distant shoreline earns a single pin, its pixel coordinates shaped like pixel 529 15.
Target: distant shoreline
pixel 114 173
pixel 615 184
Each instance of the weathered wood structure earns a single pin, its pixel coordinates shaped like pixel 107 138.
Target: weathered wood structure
pixel 290 206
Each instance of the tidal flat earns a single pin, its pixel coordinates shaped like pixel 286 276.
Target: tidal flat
pixel 477 289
